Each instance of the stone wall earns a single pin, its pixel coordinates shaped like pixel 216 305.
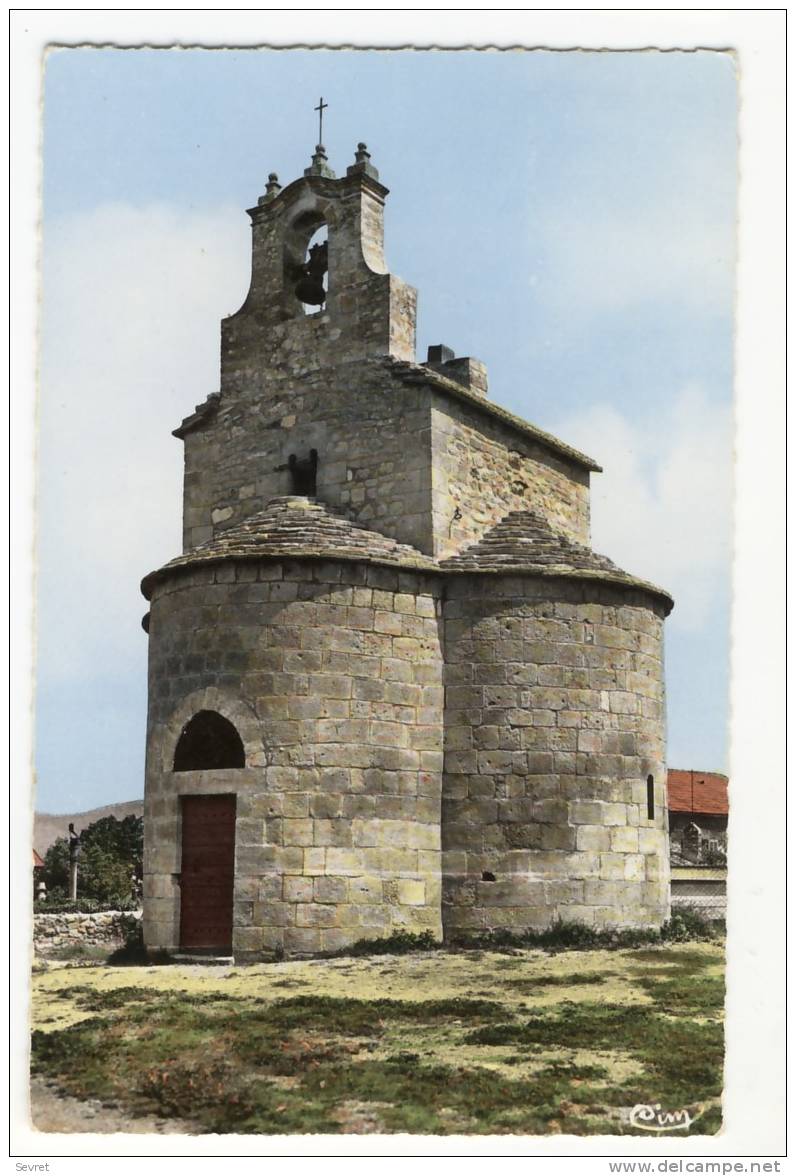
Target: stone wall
pixel 554 720
pixel 482 470
pixel 53 932
pixel 332 675
pixel 372 436
pixel 395 457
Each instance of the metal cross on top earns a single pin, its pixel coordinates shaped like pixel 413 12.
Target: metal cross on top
pixel 320 108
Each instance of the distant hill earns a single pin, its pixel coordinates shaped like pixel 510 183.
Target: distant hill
pixel 48 827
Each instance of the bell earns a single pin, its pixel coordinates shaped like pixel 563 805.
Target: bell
pixel 310 291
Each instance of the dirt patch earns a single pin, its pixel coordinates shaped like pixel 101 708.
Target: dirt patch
pixel 57 1113
pixel 360 1118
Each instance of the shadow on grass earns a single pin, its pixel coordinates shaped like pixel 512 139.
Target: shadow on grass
pixel 233 1063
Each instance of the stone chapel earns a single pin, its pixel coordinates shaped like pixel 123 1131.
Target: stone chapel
pixel 391 687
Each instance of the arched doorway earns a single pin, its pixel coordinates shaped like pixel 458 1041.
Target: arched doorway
pixel 207 742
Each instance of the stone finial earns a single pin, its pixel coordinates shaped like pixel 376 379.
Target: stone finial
pixel 362 164
pixel 272 188
pixel 320 164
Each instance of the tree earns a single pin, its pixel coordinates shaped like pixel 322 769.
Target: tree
pixel 111 853
pixel 56 867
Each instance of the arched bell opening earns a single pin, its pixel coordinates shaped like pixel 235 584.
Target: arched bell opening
pixel 307 263
pixel 313 287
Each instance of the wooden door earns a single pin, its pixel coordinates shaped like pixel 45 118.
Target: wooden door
pixel 208 872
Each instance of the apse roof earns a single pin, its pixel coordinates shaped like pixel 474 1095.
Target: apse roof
pixel 297 527
pixel 523 541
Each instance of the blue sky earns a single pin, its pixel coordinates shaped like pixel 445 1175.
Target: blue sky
pixel 566 217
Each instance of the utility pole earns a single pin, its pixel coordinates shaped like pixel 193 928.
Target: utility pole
pixel 74 854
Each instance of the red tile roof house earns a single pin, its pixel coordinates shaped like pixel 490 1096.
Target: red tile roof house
pixel 38 866
pixel 698 809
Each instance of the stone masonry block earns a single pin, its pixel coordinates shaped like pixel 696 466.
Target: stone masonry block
pixel 344 861
pixel 316 915
pixel 405 892
pixel 298 889
pixel 302 940
pixel 650 840
pixel 245 939
pixel 635 870
pixel 593 837
pixel 298 832
pixel 612 866
pixel 327 889
pixel 337 938
pixel 275 914
pixel 365 889
pixel 314 861
pixel 624 840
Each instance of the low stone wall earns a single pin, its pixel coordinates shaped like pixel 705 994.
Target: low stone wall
pixel 702 889
pixel 53 932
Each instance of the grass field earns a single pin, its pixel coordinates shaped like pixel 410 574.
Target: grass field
pixel 470 1042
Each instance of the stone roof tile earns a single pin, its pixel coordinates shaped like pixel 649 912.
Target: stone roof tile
pixel 523 542
pixel 297 527
pixel 294 526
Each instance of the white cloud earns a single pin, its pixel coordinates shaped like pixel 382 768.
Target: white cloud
pixel 662 507
pixel 619 252
pixel 132 303
pixel 617 263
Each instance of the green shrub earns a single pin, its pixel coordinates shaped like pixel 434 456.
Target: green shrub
pixel 79 953
pixel 686 924
pixel 574 936
pixel 399 943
